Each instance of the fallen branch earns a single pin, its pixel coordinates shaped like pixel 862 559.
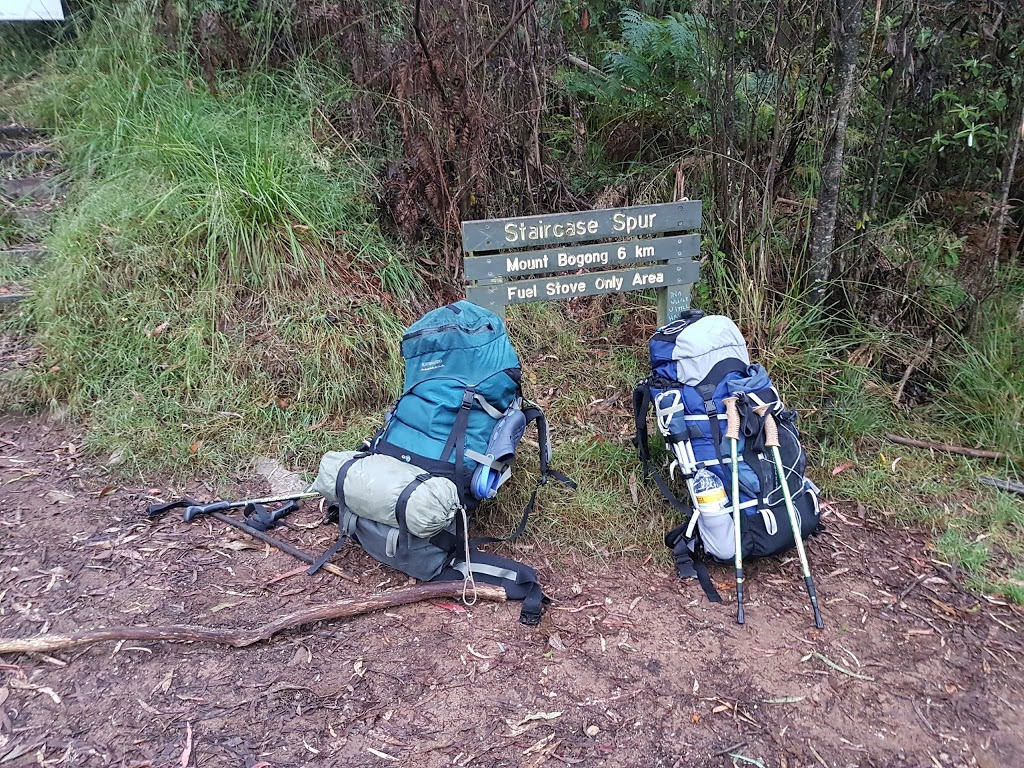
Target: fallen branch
pixel 586 66
pixel 1003 485
pixel 240 638
pixel 945 448
pixel 917 361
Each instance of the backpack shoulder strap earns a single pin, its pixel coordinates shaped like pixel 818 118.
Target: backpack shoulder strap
pixel 456 442
pixel 534 413
pixel 641 405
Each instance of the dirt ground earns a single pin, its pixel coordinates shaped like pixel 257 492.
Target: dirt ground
pixel 630 667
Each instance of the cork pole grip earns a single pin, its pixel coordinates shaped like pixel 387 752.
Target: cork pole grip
pixel 732 431
pixel 771 431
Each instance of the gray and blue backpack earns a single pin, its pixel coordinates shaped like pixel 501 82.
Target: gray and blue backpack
pixel 449 443
pixel 696 362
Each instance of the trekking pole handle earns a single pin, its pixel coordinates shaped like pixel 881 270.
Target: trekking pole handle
pixel 205 509
pixel 732 415
pixel 771 431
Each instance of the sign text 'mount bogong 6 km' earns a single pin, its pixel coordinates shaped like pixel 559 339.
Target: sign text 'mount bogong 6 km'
pixel 571 258
pixel 497 258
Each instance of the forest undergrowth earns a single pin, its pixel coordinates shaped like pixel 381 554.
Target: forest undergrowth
pixel 237 258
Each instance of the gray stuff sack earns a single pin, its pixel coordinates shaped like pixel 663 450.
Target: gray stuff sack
pixel 373 485
pixel 416 557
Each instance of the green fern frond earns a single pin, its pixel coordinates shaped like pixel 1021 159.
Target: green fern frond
pixel 632 70
pixel 683 38
pixel 638 29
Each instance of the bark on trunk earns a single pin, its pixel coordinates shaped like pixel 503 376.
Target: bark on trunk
pixel 1009 169
pixel 847 30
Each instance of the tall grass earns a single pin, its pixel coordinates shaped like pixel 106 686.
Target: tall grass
pixel 983 397
pixel 218 277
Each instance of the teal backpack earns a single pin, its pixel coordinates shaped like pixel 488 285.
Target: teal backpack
pixel 450 442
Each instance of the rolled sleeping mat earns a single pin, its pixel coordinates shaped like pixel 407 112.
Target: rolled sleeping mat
pixel 374 483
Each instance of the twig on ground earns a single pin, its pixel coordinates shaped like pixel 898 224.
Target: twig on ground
pixel 924 719
pixel 186 753
pixel 240 638
pixel 1003 485
pixel 841 668
pixel 912 587
pixel 948 576
pixel 977 453
pixel 743 758
pixel 815 753
pixel 731 748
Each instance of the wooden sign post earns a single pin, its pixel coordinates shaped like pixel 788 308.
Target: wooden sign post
pixel 564 255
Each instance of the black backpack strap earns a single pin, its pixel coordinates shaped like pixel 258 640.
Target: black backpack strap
pixel 533 413
pixel 519 581
pixel 641 405
pixel 691 565
pixel 707 393
pixel 403 504
pixel 339 491
pixel 262 519
pixel 703 577
pixel 456 443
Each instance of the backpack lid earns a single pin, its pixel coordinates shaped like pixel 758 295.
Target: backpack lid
pixel 688 351
pixel 460 341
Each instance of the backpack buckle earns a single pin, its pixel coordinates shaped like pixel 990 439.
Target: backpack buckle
pixel 467 399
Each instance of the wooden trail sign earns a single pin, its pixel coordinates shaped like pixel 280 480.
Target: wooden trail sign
pixel 560 256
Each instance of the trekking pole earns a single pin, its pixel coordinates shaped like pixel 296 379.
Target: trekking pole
pixel 155 511
pixel 220 506
pixel 288 549
pixel 771 440
pixel 732 432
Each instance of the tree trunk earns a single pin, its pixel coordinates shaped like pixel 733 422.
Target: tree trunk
pixel 1009 169
pixel 847 21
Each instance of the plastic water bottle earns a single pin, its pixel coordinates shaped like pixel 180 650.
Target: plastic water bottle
pixel 715 521
pixel 710 492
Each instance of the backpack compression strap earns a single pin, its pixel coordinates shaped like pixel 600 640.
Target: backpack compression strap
pixel 339 491
pixel 689 564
